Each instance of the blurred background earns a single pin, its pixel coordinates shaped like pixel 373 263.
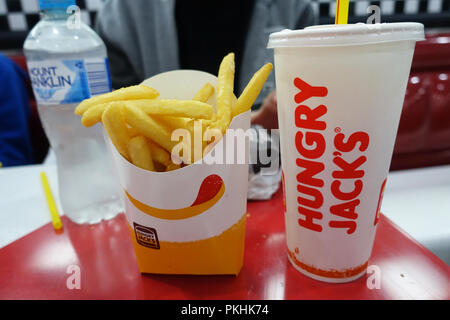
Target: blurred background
pixel 424 132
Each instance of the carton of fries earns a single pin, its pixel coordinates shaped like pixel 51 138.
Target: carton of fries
pixel 185 217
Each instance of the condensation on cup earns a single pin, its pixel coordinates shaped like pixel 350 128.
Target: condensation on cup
pixel 340 91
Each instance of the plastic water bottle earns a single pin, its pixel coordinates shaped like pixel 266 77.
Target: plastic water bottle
pixel 67 63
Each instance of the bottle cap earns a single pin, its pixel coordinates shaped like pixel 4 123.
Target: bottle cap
pixel 55 4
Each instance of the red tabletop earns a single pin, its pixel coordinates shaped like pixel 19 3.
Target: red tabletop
pixel 35 267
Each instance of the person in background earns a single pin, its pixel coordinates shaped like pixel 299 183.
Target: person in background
pixel 15 145
pixel 147 37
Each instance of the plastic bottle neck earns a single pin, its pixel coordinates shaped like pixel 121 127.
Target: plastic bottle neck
pixel 55 14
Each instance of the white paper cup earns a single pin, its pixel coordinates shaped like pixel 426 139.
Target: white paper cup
pixel 337 137
pixel 172 233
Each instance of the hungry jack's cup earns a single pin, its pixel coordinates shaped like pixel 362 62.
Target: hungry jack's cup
pixel 190 220
pixel 340 91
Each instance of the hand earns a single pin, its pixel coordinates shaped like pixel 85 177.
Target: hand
pixel 267 115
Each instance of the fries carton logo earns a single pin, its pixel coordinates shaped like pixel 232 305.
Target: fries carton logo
pixel 146 236
pixel 210 192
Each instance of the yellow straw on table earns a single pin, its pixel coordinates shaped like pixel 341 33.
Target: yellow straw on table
pixel 56 220
pixel 341 12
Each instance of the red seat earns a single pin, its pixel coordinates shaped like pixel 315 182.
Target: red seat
pixel 423 137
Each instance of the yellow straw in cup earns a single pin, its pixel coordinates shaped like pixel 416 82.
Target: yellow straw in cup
pixel 56 220
pixel 341 12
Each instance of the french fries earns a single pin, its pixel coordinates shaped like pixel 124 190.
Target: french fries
pixel 113 121
pixel 172 166
pixel 148 127
pixel 129 93
pixel 175 108
pixel 252 90
pixel 225 87
pixel 140 125
pixel 140 153
pixel 205 93
pixel 94 114
pixel 159 154
pixel 132 132
pixel 174 123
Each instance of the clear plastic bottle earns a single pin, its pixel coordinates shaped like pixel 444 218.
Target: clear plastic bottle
pixel 67 63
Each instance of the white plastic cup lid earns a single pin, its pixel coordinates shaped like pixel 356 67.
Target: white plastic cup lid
pixel 347 34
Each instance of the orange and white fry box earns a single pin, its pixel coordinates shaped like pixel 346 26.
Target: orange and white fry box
pixel 190 220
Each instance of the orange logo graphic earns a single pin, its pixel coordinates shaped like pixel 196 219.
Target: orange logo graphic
pixel 210 192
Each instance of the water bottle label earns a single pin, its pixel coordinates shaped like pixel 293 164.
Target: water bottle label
pixel 69 81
